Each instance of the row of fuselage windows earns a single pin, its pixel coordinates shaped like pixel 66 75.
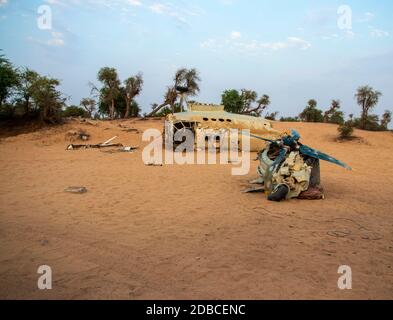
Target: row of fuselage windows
pixel 213 119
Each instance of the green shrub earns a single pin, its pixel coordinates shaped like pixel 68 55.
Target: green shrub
pixel 311 113
pixel 289 119
pixel 337 117
pixel 345 130
pixel 74 111
pixel 371 123
pixel 272 116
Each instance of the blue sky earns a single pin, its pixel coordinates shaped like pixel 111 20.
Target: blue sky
pixel 291 50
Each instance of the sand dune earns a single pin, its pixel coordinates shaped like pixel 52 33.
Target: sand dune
pixel 186 232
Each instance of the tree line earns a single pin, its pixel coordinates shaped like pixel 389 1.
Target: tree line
pixel 366 97
pixel 24 93
pixel 247 102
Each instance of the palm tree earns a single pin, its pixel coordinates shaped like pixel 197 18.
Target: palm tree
pixel 386 119
pixel 367 98
pixel 188 81
pixel 185 82
pixel 133 87
pixel 110 90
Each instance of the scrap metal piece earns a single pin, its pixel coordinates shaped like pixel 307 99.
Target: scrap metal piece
pixel 152 164
pixel 253 189
pixel 79 190
pixel 322 156
pixel 92 146
pixel 122 149
pixel 257 181
pixel 110 140
pixel 290 169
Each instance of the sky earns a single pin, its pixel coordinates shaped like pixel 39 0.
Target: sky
pixel 291 50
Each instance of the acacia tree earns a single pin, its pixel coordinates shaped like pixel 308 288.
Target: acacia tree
pixel 335 105
pixel 367 98
pixel 247 97
pixel 111 88
pixel 242 102
pixel 89 105
pixel 262 103
pixel 26 86
pixel 133 87
pixel 49 100
pixel 334 114
pixel 8 78
pixel 185 81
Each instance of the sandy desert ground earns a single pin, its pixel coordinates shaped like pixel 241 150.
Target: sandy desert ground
pixel 186 231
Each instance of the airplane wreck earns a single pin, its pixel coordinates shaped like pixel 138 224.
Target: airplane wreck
pixel 287 169
pixel 209 121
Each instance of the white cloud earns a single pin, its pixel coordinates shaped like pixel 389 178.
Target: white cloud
pixel 254 46
pixel 227 2
pixel 236 35
pixel 367 17
pixel 299 43
pixel 177 12
pixel 170 10
pixel 57 34
pixel 57 40
pixel 349 34
pixel 211 44
pixel 56 2
pixel 345 34
pixel 291 42
pixel 378 33
pixel 158 8
pixel 135 3
pixel 330 37
pixel 3 2
pixel 111 4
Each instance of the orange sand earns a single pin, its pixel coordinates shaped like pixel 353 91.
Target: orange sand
pixel 187 232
